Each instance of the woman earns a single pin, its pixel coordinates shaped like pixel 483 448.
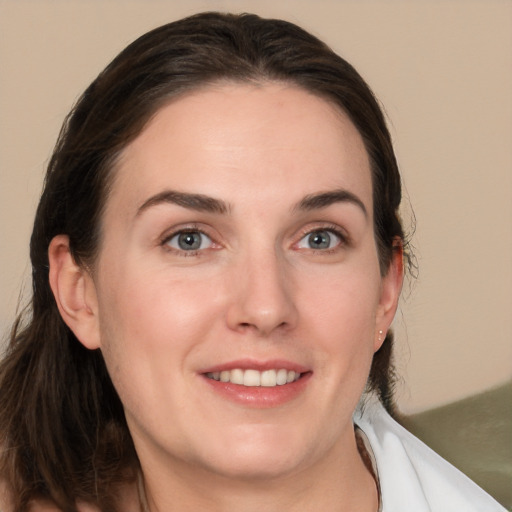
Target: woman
pixel 217 259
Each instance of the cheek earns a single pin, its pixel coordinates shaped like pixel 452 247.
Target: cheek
pixel 341 317
pixel 345 298
pixel 146 311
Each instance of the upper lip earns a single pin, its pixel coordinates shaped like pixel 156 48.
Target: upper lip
pixel 252 364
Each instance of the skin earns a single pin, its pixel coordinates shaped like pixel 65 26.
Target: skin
pixel 255 289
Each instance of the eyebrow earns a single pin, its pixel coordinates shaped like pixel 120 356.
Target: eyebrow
pixel 325 199
pixel 201 202
pixel 197 202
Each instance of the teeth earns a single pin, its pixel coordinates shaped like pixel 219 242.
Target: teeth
pixel 252 378
pixel 281 377
pixel 255 378
pixel 269 378
pixel 236 376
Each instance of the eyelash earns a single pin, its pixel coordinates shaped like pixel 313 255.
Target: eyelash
pixel 189 229
pixel 330 228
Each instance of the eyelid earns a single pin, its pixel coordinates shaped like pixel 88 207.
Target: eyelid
pixel 180 233
pixel 189 228
pixel 332 228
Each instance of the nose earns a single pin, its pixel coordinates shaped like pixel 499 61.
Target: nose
pixel 262 297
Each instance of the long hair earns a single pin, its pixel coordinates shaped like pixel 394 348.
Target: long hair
pixel 62 428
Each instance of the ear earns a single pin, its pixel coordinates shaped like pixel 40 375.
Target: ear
pixel 391 287
pixel 74 292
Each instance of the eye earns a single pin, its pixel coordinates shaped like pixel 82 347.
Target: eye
pixel 189 241
pixel 320 239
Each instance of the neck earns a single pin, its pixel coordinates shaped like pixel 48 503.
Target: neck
pixel 340 482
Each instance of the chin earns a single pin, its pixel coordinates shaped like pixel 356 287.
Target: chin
pixel 260 456
pixel 253 468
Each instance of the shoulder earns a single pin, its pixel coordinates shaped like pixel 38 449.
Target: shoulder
pixel 44 506
pixel 5 503
pixel 128 502
pixel 39 505
pixel 411 475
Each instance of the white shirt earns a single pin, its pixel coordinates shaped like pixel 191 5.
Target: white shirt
pixel 412 477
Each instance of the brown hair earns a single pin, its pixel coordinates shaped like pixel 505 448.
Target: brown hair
pixel 62 427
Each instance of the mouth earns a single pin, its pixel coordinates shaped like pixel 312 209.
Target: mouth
pixel 255 378
pixel 258 384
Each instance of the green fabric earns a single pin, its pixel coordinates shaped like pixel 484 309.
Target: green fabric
pixel 475 435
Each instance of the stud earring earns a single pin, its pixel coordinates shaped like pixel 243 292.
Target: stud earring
pixel 380 335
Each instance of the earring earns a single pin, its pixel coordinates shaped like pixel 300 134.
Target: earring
pixel 380 335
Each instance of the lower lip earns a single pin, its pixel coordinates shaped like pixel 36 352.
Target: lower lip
pixel 259 397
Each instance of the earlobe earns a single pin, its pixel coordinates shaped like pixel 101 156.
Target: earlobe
pixel 74 292
pixel 390 293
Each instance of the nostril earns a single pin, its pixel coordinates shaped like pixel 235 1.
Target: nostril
pixel 249 326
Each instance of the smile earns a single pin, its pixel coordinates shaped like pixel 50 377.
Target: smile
pixel 256 378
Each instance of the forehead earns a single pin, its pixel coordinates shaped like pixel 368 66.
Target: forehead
pixel 239 140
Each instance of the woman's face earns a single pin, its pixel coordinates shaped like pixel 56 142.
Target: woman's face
pixel 238 249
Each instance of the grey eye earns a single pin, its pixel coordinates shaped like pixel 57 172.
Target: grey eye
pixel 189 241
pixel 320 239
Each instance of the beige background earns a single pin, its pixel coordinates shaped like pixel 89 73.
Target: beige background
pixel 443 70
